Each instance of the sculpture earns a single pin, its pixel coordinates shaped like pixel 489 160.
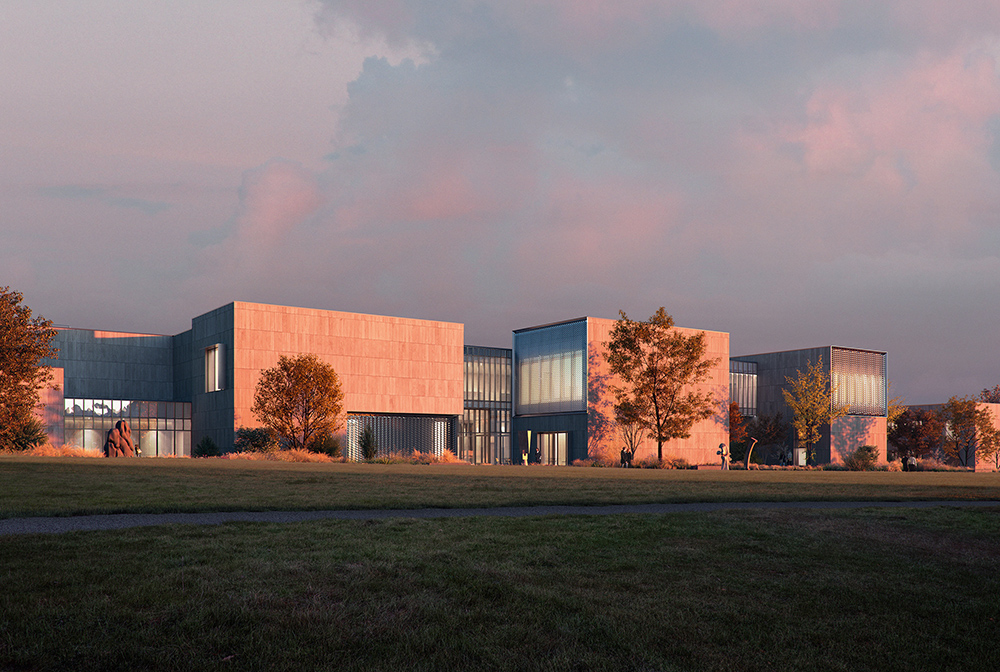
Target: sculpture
pixel 119 441
pixel 753 442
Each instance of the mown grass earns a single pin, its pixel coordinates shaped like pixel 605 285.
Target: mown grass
pixel 731 590
pixel 66 486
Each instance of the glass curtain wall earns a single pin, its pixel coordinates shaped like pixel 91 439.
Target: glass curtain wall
pixel 159 428
pixel 485 428
pixel 553 448
pixel 551 369
pixel 743 386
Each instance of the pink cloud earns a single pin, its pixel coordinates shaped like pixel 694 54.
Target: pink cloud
pixel 274 198
pixel 933 115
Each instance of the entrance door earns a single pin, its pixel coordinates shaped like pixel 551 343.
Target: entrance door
pixel 553 448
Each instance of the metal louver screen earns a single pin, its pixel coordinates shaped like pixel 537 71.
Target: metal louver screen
pixel 859 379
pixel 402 434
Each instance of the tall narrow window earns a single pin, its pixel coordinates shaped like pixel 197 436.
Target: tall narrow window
pixel 215 368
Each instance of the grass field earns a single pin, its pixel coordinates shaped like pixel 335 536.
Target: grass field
pixel 734 590
pixel 731 590
pixel 68 486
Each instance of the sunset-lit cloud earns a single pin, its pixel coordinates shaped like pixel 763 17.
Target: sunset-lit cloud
pixel 795 173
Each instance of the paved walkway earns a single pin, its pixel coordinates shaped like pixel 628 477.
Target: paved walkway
pixel 120 521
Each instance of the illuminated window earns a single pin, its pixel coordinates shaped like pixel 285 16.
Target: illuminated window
pixel 215 363
pixel 859 381
pixel 550 364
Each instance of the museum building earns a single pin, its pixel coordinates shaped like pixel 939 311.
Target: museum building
pixel 859 382
pixel 417 385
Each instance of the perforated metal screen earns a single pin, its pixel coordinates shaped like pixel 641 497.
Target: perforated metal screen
pixel 859 380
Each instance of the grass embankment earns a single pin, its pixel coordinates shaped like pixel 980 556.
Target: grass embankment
pixel 66 486
pixel 733 590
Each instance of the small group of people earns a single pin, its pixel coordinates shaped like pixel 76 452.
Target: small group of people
pixel 627 457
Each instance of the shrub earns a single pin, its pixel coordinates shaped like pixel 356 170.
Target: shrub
pixel 368 444
pixel 206 448
pixel 255 440
pixel 28 435
pixel 48 450
pixel 649 462
pixel 446 457
pixel 328 445
pixel 674 462
pixel 291 455
pixel 862 459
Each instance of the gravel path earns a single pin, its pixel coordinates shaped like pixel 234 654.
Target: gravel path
pixel 120 521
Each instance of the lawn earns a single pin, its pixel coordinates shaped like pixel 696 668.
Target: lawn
pixel 886 589
pixel 729 590
pixel 73 486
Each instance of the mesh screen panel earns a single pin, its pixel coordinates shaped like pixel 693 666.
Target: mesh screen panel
pixel 403 434
pixel 859 379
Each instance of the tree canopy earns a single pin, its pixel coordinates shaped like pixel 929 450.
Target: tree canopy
pixel 916 432
pixel 24 342
pixel 658 365
pixel 737 424
pixel 964 419
pixel 990 395
pixel 300 400
pixel 811 400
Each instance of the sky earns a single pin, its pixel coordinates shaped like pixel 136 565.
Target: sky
pixel 796 173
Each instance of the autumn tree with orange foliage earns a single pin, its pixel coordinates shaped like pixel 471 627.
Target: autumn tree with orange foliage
pixel 24 342
pixel 658 365
pixel 964 419
pixel 300 400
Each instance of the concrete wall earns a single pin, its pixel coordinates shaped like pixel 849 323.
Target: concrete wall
pixel 852 431
pixel 50 412
pixel 701 447
pixel 989 463
pixel 385 364
pixel 114 365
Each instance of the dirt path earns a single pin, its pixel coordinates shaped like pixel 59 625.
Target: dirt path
pixel 120 521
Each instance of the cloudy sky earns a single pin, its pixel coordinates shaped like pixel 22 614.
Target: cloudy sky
pixel 794 172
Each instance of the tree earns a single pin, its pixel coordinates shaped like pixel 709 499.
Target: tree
pixel 916 433
pixel 989 440
pixel 737 432
pixel 990 395
pixel 811 401
pixel 628 417
pixel 24 342
pixel 207 447
pixel 962 417
pixel 658 365
pixel 770 431
pixel 300 400
pixel 737 424
pixel 894 408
